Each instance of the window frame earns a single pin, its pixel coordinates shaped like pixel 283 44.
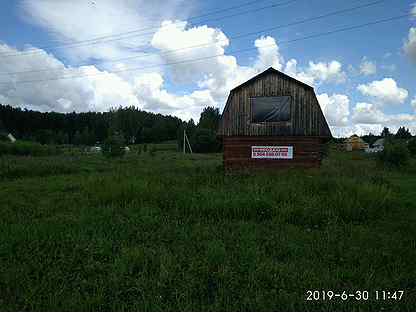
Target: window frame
pixel 271 122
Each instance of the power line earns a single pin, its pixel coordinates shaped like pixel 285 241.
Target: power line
pixel 322 34
pixel 132 34
pixel 312 19
pixel 214 12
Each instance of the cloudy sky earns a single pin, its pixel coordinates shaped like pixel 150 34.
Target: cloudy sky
pixel 176 57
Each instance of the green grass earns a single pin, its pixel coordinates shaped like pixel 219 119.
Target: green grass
pixel 26 148
pixel 173 233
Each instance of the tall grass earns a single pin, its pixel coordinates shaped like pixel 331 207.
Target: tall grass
pixel 22 148
pixel 173 233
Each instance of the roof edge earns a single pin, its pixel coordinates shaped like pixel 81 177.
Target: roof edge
pixel 268 71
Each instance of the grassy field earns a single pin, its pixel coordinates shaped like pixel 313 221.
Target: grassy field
pixel 173 233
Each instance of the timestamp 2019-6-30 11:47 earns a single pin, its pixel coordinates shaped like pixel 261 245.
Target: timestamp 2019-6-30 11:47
pixel 356 295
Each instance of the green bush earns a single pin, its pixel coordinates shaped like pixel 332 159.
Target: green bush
pixel 4 138
pixel 325 151
pixel 152 151
pixel 114 146
pixel 22 148
pixel 205 141
pixel 394 155
pixel 411 145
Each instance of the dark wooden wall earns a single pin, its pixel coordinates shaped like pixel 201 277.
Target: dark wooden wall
pixel 306 118
pixel 307 152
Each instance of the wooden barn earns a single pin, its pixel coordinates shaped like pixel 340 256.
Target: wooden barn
pixel 273 121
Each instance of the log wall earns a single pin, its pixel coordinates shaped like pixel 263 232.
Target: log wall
pixel 307 152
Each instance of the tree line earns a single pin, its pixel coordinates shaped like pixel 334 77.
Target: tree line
pixel 402 133
pixel 134 125
pixel 137 126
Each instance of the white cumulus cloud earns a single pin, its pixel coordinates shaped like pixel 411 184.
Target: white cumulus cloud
pixel 95 90
pixel 177 43
pixel 153 97
pixel 317 73
pixel 268 53
pixel 205 82
pixel 372 116
pixel 217 71
pixel 366 113
pixel 329 72
pixel 358 129
pixel 336 108
pixel 384 91
pixel 368 67
pixel 413 103
pixel 80 20
pixel 410 44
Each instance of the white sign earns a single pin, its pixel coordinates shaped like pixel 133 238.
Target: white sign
pixel 272 152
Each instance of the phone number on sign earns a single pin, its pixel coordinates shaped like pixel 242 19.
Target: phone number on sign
pixel 359 295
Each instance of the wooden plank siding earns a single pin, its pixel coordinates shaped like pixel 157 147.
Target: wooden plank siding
pixel 306 117
pixel 307 152
pixel 306 130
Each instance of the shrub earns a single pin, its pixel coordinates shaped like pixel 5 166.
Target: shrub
pixel 4 138
pixel 205 141
pixel 152 151
pixel 412 146
pixel 325 151
pixel 394 155
pixel 22 148
pixel 114 146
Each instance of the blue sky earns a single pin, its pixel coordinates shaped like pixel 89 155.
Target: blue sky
pixel 364 79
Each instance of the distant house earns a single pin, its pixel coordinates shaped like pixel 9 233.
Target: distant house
pixel 95 149
pixel 355 143
pixel 378 146
pixel 11 138
pixel 7 137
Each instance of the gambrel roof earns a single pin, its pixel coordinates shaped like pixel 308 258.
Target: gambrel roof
pixel 306 117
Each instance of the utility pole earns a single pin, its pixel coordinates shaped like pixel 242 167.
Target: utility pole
pixel 184 137
pixel 186 140
pixel 189 144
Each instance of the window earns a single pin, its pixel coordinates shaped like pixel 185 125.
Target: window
pixel 270 109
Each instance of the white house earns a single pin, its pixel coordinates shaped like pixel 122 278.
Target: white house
pixel 378 146
pixel 11 138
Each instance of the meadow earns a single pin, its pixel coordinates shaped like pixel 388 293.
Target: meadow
pixel 163 231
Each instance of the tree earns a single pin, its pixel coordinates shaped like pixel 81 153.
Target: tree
pixel 394 155
pixel 88 128
pixel 210 118
pixel 87 137
pixel 203 137
pixel 205 141
pixel 403 133
pixel 3 132
pixel 370 138
pixel 114 146
pixel 61 138
pixel 45 136
pixel 190 129
pixel 77 139
pixel 411 146
pixel 2 127
pixel 386 132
